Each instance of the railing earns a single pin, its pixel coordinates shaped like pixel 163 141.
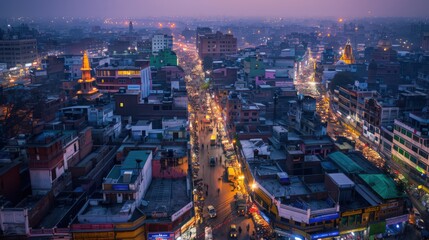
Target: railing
pixel 49 232
pixel 293 209
pixel 324 211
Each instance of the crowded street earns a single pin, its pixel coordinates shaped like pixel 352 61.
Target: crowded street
pixel 215 192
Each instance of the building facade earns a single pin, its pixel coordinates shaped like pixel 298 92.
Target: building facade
pixel 14 52
pixel 216 45
pixel 161 42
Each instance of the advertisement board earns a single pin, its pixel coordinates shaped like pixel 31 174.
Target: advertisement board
pixel 160 236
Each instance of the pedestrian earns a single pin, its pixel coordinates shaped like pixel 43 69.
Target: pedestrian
pixel 248 227
pixel 218 191
pixel 239 230
pixel 207 193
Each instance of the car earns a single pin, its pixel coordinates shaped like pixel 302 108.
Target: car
pixel 212 162
pixel 212 211
pixel 233 233
pixel 420 224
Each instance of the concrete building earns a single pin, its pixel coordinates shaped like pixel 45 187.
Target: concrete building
pixel 201 31
pixel 162 58
pixel 161 42
pixel 18 51
pixel 216 45
pixel 50 154
pixel 110 79
pixel 411 142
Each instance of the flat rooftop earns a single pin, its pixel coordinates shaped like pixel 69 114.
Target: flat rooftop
pixel 63 204
pixel 166 195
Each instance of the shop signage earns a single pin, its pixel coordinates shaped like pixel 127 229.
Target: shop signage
pixel 325 235
pixel 160 236
pixel 322 218
pixel 350 213
pixel 398 219
pixel 181 211
pixel 372 209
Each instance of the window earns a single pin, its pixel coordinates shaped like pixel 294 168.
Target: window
pixel 423 154
pixel 396 137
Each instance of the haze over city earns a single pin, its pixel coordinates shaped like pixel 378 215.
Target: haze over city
pixel 214 119
pixel 218 8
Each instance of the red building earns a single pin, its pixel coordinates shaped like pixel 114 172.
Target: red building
pixel 10 178
pixel 110 78
pixel 216 45
pixel 46 160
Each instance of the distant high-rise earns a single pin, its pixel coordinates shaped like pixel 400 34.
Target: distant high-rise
pixel 162 42
pixel 216 45
pixel 201 31
pixel 425 42
pixel 130 27
pixel 18 51
pixel 87 90
pixel 347 56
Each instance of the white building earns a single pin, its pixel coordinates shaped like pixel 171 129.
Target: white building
pixel 146 83
pixel 161 41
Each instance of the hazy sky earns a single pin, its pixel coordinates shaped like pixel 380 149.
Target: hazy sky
pixel 197 8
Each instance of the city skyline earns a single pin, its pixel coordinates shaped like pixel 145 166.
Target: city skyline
pixel 220 8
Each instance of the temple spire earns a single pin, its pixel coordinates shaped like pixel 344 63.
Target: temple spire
pixel 347 56
pixel 87 90
pixel 86 68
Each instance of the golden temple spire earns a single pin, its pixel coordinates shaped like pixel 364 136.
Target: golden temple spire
pixel 347 56
pixel 86 68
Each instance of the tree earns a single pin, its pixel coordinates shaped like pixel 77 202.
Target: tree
pixel 341 79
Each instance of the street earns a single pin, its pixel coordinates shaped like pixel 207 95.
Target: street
pixel 205 116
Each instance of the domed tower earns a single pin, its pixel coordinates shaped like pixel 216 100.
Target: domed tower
pixel 347 56
pixel 87 90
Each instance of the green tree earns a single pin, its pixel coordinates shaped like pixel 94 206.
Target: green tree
pixel 341 79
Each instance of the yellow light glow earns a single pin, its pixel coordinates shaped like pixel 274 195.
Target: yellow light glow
pixel 121 104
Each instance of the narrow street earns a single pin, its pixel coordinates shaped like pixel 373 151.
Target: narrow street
pixel 208 179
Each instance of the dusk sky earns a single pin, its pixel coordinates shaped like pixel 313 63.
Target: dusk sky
pixel 232 8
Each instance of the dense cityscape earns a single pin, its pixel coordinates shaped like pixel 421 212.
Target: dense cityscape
pixel 184 127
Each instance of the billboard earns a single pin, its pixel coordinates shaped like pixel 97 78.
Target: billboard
pixel 160 236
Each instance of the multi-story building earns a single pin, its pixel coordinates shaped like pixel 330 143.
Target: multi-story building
pixel 201 31
pixel 18 51
pixel 319 206
pixel 50 154
pixel 163 58
pixel 216 45
pixel 411 142
pixel 111 79
pixel 161 42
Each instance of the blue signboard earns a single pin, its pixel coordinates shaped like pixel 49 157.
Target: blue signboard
pixel 322 218
pixel 325 235
pixel 120 187
pixel 160 236
pixel 265 217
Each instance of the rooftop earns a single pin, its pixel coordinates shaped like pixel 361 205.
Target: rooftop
pixel 383 185
pixel 130 163
pixel 166 195
pixel 345 163
pixel 341 180
pixel 46 137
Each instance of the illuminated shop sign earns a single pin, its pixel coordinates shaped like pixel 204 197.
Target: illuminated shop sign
pixel 160 236
pixel 325 235
pixel 324 218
